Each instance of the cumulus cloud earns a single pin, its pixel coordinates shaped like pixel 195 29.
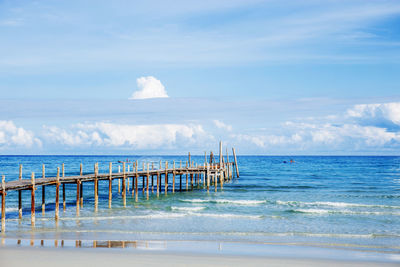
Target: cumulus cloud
pixel 10 135
pixel 386 115
pixel 222 125
pixel 149 87
pixel 136 136
pixel 369 127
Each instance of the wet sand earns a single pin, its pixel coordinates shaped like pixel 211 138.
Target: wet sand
pixel 46 257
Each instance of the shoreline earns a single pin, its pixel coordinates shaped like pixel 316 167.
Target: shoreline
pixel 47 257
pixel 205 249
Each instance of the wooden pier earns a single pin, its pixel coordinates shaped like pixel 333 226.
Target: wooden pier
pixel 204 175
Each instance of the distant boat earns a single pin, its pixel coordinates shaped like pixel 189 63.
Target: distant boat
pixel 127 161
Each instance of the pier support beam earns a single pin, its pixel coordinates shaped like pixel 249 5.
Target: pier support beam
pixel 110 186
pixel 3 203
pixel 81 189
pixel 78 196
pixel 63 187
pixel 43 191
pixel 236 166
pixel 57 194
pixel 33 199
pixel 166 178
pixel 96 190
pixel 20 194
pixel 173 178
pixel 123 185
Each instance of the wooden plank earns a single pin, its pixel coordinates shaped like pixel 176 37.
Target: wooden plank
pixel 234 158
pixel 123 185
pixel 33 199
pixel 43 191
pixel 57 193
pixel 96 191
pixel 110 185
pixel 173 178
pixel 3 204
pixel 63 187
pixel 166 177
pixel 20 194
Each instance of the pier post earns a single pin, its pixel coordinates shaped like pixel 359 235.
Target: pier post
pixel 152 177
pixel 158 183
pixel 147 180
pixel 173 178
pixel 134 169
pixel 191 181
pixel 189 160
pixel 96 191
pixel 78 196
pixel 20 194
pixel 123 185
pixel 234 157
pixel 166 177
pixel 43 191
pixel 81 189
pixel 33 199
pixel 187 177
pixel 215 180
pixel 3 203
pixel 208 176
pixel 57 193
pixel 136 182
pixel 63 175
pixel 119 180
pixel 110 185
pixel 143 169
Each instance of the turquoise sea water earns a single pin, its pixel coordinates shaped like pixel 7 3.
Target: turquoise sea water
pixel 340 202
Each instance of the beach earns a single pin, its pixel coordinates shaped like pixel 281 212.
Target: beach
pixel 106 257
pixel 312 211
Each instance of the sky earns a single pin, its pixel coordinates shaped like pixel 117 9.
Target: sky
pixel 167 77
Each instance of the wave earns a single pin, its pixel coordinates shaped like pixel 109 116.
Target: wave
pixel 334 204
pixel 346 212
pixel 227 215
pixel 226 201
pixel 188 208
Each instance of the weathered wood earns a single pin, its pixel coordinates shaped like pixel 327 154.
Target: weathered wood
pixel 147 182
pixel 43 191
pixel 119 180
pixel 3 203
pixel 20 194
pixel 96 191
pixel 123 185
pixel 236 166
pixel 33 199
pixel 166 177
pixel 78 195
pixel 63 187
pixel 189 160
pixel 57 193
pixel 173 178
pixel 110 185
pixel 187 177
pixel 81 185
pixel 152 176
pixel 158 183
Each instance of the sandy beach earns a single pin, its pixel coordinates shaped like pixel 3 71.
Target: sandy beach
pixel 44 257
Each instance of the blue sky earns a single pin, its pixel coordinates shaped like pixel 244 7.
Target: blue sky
pixel 268 77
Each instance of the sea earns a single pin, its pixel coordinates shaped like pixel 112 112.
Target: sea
pixel 347 203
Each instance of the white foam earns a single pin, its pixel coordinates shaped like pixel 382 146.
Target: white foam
pixel 226 215
pixel 188 208
pixel 334 204
pixel 226 201
pixel 347 212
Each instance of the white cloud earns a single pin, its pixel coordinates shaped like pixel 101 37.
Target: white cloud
pixel 222 125
pixel 136 136
pixel 10 135
pixel 149 87
pixel 385 115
